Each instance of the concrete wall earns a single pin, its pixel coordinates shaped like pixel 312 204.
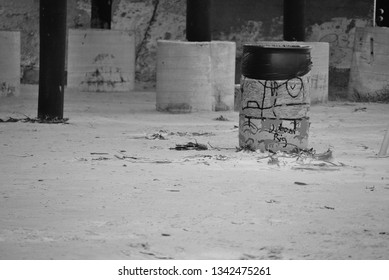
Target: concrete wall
pixel 151 20
pixel 241 21
pixel 331 21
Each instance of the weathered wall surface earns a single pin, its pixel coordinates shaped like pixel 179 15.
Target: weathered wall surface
pixel 241 21
pixel 150 20
pixel 23 16
pixel 332 21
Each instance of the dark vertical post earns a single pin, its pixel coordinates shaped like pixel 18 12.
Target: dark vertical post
pixel 198 20
pixel 294 20
pixel 101 14
pixel 52 28
pixel 382 13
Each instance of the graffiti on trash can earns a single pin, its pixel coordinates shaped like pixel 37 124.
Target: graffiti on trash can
pixel 274 113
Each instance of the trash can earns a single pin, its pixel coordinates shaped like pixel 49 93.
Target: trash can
pixel 275 97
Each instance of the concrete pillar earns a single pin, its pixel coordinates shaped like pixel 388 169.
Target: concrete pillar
pixel 294 20
pixel 198 20
pixel 101 60
pixel 195 76
pixel 369 75
pixel 52 28
pixel 9 63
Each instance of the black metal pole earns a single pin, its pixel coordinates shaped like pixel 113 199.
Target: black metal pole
pixel 198 20
pixel 294 20
pixel 101 14
pixel 52 28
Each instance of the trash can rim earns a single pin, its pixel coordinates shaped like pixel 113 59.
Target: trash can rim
pixel 281 46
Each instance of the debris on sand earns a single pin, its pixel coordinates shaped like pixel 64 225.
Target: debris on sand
pixel 360 109
pixel 192 134
pixel 141 159
pixel 323 156
pixel 101 158
pixel 272 201
pixel 328 208
pixel 164 134
pixel 160 135
pixel 303 160
pixel 48 120
pixel 247 148
pixel 190 146
pixel 221 118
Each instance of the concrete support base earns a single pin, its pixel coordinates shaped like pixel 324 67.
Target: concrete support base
pixel 369 75
pixel 101 60
pixel 195 76
pixel 9 63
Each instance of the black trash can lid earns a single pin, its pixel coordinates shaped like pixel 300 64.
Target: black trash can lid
pixel 276 61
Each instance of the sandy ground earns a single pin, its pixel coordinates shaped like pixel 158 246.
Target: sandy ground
pixel 101 187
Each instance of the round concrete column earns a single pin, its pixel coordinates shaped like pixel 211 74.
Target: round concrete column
pixel 9 63
pixel 195 76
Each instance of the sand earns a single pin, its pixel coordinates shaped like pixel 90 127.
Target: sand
pixel 107 185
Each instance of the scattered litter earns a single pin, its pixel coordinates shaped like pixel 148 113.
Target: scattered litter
pixel 221 157
pixel 23 156
pixel 303 160
pixel 10 119
pixel 221 118
pixel 36 120
pixel 155 255
pixel 207 157
pixel 192 134
pixel 371 188
pixel 161 135
pixel 161 161
pixel 246 148
pixel 219 148
pixel 323 156
pixel 272 201
pixel 141 159
pixel 190 146
pixel 126 157
pixel 301 183
pixel 327 207
pixel 101 158
pixel 362 109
